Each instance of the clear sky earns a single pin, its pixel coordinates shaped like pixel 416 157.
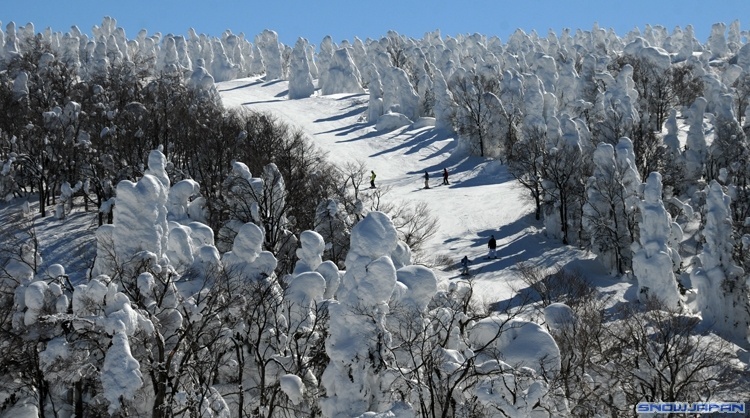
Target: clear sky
pixel 372 19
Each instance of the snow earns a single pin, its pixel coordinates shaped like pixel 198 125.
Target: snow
pixel 654 260
pixel 300 80
pixel 342 76
pixel 292 387
pixel 153 221
pixel 140 216
pixel 247 255
pixel 559 315
pixel 350 379
pixel 121 376
pixel 391 121
pixel 420 286
pixel 310 252
pixel 519 343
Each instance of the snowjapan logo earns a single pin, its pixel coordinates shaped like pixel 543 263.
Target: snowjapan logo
pixel 686 407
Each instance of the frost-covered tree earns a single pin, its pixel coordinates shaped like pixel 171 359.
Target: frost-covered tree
pixel 444 104
pixel 259 333
pixel 717 41
pixel 673 171
pixel 268 44
pixel 722 290
pixel 730 142
pixel 355 377
pixel 334 224
pixel 375 90
pixel 654 261
pixel 140 231
pixel 257 65
pixel 474 115
pixel 342 75
pixel 455 358
pixel 564 171
pixel 696 149
pixel 261 200
pixel 609 212
pixel 399 95
pixel 300 78
pixel 143 264
pixel 653 80
pixel 616 109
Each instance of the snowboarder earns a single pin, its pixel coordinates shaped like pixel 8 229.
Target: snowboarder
pixel 372 179
pixel 465 266
pixel 445 176
pixel 426 180
pixel 492 245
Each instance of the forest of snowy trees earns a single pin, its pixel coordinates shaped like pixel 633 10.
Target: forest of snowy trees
pixel 238 273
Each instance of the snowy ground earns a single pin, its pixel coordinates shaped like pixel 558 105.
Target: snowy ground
pixel 482 199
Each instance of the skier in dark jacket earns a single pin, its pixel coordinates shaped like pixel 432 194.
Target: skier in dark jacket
pixel 492 245
pixel 445 176
pixel 465 266
pixel 426 180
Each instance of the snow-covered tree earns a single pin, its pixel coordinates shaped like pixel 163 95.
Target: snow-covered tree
pixel 334 224
pixel 300 78
pixel 609 212
pixel 564 169
pixel 342 76
pixel 730 142
pixel 474 115
pixel 444 104
pixel 452 356
pixel 261 200
pixel 722 289
pixel 140 232
pixel 268 44
pixel 616 109
pixel 654 261
pixel 356 373
pixel 696 149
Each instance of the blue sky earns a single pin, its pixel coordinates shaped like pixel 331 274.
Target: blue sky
pixel 347 19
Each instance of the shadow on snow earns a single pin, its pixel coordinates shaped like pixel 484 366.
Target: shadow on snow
pixel 348 114
pixel 242 86
pixel 261 101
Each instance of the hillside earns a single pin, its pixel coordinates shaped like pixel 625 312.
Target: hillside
pixel 482 199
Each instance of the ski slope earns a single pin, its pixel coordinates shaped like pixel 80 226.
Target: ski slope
pixel 481 200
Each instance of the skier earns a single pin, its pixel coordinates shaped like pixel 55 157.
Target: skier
pixel 445 176
pixel 426 180
pixel 465 266
pixel 372 179
pixel 492 245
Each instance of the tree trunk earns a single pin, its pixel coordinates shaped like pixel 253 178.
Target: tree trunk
pixel 160 383
pixel 42 199
pixel 78 399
